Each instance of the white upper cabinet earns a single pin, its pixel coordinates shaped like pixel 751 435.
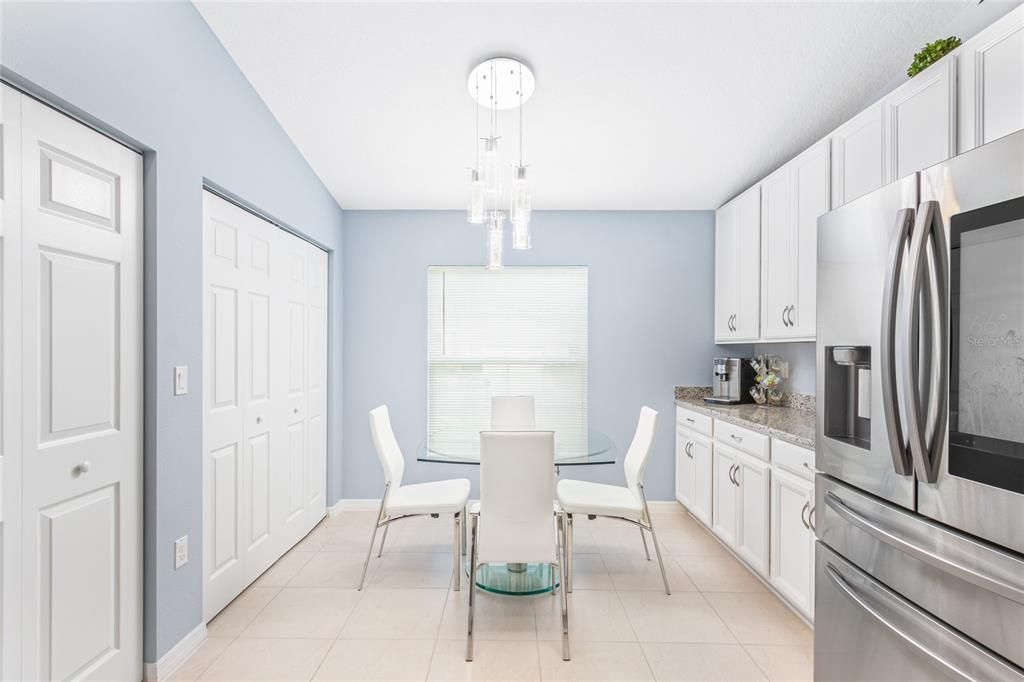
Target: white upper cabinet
pixel 920 120
pixel 792 198
pixel 737 268
pixel 991 82
pixel 858 161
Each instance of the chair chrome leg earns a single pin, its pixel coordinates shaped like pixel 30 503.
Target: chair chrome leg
pixel 568 554
pixel 465 528
pixel 559 552
pixel 383 539
pixel 472 589
pixel 376 525
pixel 565 615
pixel 643 538
pixel 654 539
pixel 456 542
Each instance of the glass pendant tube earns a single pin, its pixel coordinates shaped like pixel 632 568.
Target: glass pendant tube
pixel 495 239
pixel 477 210
pixel 491 173
pixel 520 210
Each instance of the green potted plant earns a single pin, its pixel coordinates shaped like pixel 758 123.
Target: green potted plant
pixel 931 53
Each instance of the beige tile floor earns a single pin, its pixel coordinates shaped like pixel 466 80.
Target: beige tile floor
pixel 304 619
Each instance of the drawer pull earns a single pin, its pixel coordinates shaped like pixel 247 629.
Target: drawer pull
pixel 738 439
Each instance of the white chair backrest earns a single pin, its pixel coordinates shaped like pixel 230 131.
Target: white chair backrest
pixel 387 447
pixel 512 413
pixel 517 486
pixel 640 449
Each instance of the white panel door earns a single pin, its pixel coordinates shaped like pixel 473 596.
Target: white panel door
pixel 702 477
pixel 920 120
pixel 777 248
pixel 723 494
pixel 991 82
pixel 811 199
pixel 684 469
pixel 752 512
pixel 81 324
pixel 748 265
pixel 726 284
pixel 858 158
pixel 792 541
pixel 264 396
pixel 10 384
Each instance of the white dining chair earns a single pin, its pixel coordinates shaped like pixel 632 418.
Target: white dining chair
pixel 419 499
pixel 626 503
pixel 512 413
pixel 513 522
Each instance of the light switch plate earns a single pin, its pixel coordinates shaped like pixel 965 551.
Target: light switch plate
pixel 180 380
pixel 180 552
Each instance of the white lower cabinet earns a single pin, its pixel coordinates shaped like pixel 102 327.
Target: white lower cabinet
pixel 757 495
pixel 752 478
pixel 693 473
pixel 740 502
pixel 792 540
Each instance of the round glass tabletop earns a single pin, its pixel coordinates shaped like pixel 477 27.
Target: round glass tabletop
pixel 462 446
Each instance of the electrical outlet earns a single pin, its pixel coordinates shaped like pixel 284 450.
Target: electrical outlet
pixel 180 552
pixel 784 369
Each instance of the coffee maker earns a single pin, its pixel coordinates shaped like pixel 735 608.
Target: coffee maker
pixel 731 381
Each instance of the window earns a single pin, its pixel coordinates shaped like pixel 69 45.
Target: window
pixel 514 331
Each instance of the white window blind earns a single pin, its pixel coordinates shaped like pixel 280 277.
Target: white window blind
pixel 514 331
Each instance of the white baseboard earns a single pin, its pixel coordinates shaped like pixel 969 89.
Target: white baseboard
pixel 178 654
pixel 665 507
pixel 656 506
pixel 353 505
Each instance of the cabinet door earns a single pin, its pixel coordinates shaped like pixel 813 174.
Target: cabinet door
pixel 752 512
pixel 702 477
pixel 684 470
pixel 724 494
pixel 991 82
pixel 777 250
pixel 725 271
pixel 747 322
pixel 792 542
pixel 811 171
pixel 920 120
pixel 858 162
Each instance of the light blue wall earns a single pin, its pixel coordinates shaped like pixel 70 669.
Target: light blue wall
pixel 651 308
pixel 800 357
pixel 155 74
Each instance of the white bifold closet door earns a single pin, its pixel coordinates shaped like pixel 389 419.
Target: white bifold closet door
pixel 71 241
pixel 264 396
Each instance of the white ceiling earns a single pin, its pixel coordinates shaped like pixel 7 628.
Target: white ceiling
pixel 638 106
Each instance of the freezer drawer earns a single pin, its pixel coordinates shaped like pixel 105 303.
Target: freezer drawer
pixel 975 587
pixel 865 631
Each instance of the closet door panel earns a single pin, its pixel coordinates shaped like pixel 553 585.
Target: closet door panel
pixel 81 332
pixel 10 383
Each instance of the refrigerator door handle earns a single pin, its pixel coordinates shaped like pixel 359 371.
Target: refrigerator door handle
pixel 928 230
pixel 959 656
pixel 933 558
pixel 900 457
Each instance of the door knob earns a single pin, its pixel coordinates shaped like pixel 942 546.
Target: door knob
pixel 296 410
pixel 259 420
pixel 83 468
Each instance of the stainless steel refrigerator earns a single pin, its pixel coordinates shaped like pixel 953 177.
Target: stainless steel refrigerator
pixel 919 499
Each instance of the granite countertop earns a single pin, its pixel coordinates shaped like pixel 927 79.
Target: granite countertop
pixel 794 423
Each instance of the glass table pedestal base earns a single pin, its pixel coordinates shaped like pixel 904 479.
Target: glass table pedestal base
pixel 516 579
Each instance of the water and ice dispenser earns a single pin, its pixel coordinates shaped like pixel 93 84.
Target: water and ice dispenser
pixel 848 394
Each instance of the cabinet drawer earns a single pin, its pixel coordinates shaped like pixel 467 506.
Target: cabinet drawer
pixel 748 441
pixel 793 458
pixel 695 421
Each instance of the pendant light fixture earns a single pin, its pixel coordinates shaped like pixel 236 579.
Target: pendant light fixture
pixel 477 209
pixel 499 84
pixel 519 210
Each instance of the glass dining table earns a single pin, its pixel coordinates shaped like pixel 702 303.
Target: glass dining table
pixel 573 448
